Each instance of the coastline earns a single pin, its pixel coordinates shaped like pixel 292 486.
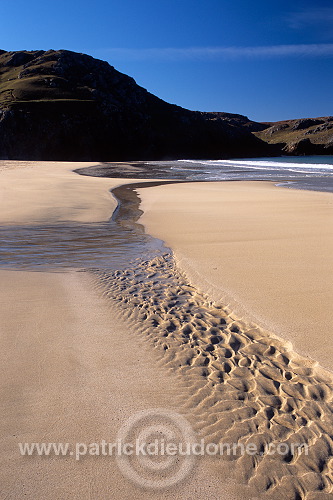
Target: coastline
pixel 264 251
pixel 72 369
pixel 80 350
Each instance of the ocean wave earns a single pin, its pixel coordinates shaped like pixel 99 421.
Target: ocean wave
pixel 265 165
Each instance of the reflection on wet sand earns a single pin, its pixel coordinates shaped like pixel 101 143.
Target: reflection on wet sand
pixel 111 244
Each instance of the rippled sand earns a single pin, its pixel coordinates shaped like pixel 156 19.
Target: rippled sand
pixel 265 251
pixel 244 385
pixel 82 351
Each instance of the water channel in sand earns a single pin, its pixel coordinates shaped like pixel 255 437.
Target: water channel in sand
pixel 112 245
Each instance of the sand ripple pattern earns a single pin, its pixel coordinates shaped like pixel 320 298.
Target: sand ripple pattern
pixel 244 385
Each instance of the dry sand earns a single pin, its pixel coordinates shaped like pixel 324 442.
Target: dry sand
pixel 48 192
pixel 264 251
pixel 71 370
pixel 245 388
pixel 80 353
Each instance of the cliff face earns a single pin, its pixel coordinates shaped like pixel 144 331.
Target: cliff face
pixel 307 136
pixel 60 105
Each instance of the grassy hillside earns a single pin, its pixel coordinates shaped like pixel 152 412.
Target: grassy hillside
pixel 292 134
pixel 65 105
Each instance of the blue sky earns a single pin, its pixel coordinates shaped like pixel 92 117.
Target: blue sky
pixel 268 59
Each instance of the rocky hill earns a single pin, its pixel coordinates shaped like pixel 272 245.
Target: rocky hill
pixel 307 136
pixel 61 105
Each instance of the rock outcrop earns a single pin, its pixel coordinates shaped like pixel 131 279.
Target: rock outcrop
pixel 307 136
pixel 61 105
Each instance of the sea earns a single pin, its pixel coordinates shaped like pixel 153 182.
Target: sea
pixel 121 240
pixel 300 172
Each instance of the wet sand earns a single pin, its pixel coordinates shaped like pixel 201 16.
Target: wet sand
pixel 72 368
pixel 81 352
pixel 243 385
pixel 265 252
pixel 72 371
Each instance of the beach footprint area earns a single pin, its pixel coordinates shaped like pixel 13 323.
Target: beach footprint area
pixel 140 316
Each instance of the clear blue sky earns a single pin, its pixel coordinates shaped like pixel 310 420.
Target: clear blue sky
pixel 267 59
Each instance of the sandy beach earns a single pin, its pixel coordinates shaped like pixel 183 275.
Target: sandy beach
pixel 72 372
pixel 193 333
pixel 265 252
pixel 71 368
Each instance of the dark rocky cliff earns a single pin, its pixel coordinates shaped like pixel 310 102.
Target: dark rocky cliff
pixel 61 105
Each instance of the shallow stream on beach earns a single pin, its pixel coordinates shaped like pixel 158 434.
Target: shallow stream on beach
pixel 112 245
pixel 121 240
pixel 243 385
